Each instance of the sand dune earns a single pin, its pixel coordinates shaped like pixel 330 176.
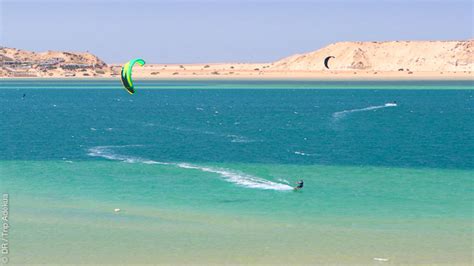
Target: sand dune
pixel 386 56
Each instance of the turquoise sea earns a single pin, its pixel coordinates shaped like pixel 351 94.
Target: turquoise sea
pixel 202 172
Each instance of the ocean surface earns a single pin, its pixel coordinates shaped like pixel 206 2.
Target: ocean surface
pixel 203 171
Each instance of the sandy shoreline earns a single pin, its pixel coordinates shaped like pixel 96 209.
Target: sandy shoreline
pixel 173 73
pixel 264 71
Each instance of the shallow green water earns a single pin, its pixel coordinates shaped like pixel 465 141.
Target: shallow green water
pixel 206 176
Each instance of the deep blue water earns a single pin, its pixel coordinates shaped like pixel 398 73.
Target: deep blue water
pixel 428 128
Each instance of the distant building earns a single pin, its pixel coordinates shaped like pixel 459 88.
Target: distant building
pixel 17 64
pixel 48 64
pixel 23 74
pixel 75 66
pixel 70 74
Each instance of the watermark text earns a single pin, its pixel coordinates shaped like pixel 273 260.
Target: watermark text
pixel 4 245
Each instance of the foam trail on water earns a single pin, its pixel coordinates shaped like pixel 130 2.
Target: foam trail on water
pixel 341 114
pixel 107 153
pixel 233 138
pixel 240 179
pixel 302 153
pixel 238 138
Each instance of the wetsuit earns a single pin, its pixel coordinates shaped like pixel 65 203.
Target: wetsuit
pixel 300 184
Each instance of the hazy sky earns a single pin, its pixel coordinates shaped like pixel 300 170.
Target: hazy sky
pixel 222 31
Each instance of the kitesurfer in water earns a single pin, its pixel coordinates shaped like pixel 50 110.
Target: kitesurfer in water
pixel 299 184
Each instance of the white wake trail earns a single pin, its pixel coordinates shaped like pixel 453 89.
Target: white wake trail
pixel 108 153
pixel 341 114
pixel 241 179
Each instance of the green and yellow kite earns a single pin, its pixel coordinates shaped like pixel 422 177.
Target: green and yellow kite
pixel 127 74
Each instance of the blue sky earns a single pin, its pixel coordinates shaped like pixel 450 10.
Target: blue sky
pixel 222 31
